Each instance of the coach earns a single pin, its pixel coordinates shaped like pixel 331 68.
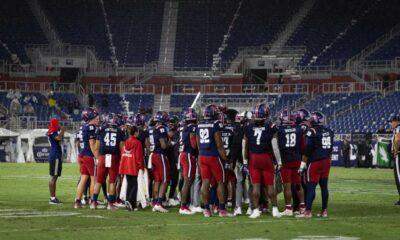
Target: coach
pixel 395 124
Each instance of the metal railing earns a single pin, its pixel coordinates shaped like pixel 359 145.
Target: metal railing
pixel 352 87
pixel 38 86
pixel 121 88
pixel 240 88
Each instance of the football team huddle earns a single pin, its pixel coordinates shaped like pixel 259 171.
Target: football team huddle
pixel 206 164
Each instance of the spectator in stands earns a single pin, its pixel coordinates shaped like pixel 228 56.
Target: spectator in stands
pixel 30 99
pixel 15 106
pixel 77 107
pixel 28 108
pixel 17 93
pixel 10 94
pixel 52 103
pixel 104 101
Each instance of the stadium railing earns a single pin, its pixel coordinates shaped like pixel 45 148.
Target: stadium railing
pixel 351 87
pixel 122 88
pixel 38 86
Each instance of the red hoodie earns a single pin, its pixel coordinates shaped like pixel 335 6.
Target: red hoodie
pixel 132 157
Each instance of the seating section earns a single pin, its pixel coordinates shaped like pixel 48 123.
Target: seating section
pixel 140 103
pixel 18 27
pixel 135 26
pixel 353 25
pixel 370 117
pixel 107 103
pixel 389 51
pixel 331 102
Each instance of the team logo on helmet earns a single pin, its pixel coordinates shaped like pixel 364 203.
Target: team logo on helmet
pixel 211 112
pixel 161 116
pixel 190 114
pixel 261 111
pixel 89 114
pixel 317 118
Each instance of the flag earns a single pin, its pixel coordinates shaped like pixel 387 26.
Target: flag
pixel 382 153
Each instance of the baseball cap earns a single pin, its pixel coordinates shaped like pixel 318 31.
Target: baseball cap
pixel 394 119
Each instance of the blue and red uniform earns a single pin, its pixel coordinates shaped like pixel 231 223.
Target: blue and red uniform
pixel 110 138
pixel 55 156
pixel 210 162
pixel 159 161
pixel 188 150
pixel 261 165
pixel 227 139
pixel 291 144
pixel 318 149
pixel 86 158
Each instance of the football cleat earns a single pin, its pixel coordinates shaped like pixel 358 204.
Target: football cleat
pixel 159 208
pixel 185 211
pixel 323 213
pixel 207 213
pixel 85 201
pixel 215 209
pixel 78 204
pixel 237 211
pixel 94 205
pixel 256 213
pixel 196 209
pixel 224 213
pixel 276 213
pixel 287 212
pixel 128 206
pixel 249 211
pixel 306 214
pixel 55 202
pixel 111 206
pixel 172 202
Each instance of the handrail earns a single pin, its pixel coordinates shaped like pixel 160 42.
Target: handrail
pixel 38 86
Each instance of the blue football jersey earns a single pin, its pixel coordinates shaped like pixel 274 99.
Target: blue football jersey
pixel 259 137
pixel 55 150
pixel 319 143
pixel 110 138
pixel 155 134
pixel 184 138
pixel 289 139
pixel 206 131
pixel 86 132
pixel 227 137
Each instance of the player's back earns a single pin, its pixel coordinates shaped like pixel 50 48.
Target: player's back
pixel 55 146
pixel 184 138
pixel 86 133
pixel 110 138
pixel 206 131
pixel 290 138
pixel 259 137
pixel 319 143
pixel 227 137
pixel 155 135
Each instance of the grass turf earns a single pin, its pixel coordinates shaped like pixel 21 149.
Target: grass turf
pixel 360 207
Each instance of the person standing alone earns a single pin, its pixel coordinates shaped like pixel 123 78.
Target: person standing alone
pixel 55 136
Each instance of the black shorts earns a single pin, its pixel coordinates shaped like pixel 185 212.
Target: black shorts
pixel 55 167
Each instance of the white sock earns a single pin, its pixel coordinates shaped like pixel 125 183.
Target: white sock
pixel 52 198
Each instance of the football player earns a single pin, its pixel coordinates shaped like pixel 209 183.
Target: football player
pixel 260 143
pixel 55 135
pixel 291 141
pixel 173 158
pixel 395 125
pixel 158 137
pixel 87 157
pixel 110 142
pixel 211 150
pixel 317 162
pixel 187 156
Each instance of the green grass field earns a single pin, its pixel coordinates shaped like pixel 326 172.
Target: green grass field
pixel 361 207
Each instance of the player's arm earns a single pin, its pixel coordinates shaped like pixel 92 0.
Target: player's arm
pixel 61 135
pixel 308 149
pixel 220 145
pixel 396 144
pixel 94 147
pixel 275 149
pixel 147 145
pixel 139 156
pixel 121 146
pixel 245 150
pixel 193 140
